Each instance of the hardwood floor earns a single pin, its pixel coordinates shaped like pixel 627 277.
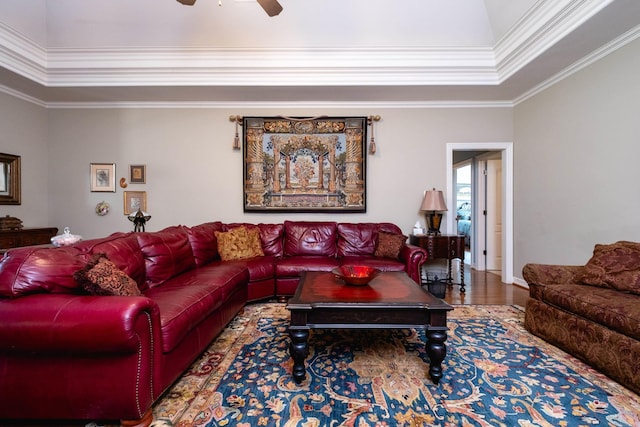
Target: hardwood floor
pixel 486 288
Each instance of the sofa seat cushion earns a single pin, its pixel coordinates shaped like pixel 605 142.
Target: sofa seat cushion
pixel 260 268
pixel 383 264
pixel 167 253
pixel 292 267
pixel 185 301
pixel 616 310
pixel 303 238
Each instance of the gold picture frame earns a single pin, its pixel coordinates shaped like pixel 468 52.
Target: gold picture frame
pixel 134 200
pixel 103 177
pixel 9 179
pixel 138 174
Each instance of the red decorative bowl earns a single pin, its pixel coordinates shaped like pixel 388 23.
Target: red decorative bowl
pixel 355 274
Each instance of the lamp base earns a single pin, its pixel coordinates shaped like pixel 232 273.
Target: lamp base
pixel 433 222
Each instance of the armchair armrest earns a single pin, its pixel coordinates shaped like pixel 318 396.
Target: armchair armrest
pixel 414 257
pixel 549 274
pixel 73 324
pixel 540 275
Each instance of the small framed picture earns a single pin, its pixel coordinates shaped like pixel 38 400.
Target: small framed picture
pixel 134 200
pixel 103 177
pixel 137 174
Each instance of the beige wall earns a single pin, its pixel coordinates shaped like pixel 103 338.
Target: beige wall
pixel 575 167
pixel 23 132
pixel 576 153
pixel 193 175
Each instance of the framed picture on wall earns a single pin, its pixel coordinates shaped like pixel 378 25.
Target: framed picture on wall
pixel 134 200
pixel 103 177
pixel 137 174
pixel 9 179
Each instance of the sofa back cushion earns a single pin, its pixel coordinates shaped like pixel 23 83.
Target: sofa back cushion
pixel 615 265
pixel 389 228
pixel 310 238
pixel 166 253
pixel 123 250
pixel 36 270
pixel 271 236
pixel 356 239
pixel 203 242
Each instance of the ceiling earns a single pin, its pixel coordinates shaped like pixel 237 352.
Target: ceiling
pixel 96 52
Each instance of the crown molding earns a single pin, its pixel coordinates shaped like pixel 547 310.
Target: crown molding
pixel 19 95
pixel 305 105
pixel 269 67
pixel 545 24
pixel 22 55
pixel 605 50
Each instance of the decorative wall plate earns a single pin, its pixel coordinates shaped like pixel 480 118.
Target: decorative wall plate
pixel 102 208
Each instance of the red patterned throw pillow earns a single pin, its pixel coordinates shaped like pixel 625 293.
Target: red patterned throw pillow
pixel 101 277
pixel 389 245
pixel 616 265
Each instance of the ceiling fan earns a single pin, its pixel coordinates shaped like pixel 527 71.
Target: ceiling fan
pixel 272 7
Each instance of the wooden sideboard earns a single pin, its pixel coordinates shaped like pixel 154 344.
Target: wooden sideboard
pixel 25 237
pixel 447 246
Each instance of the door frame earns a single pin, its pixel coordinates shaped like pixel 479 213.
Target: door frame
pixel 506 150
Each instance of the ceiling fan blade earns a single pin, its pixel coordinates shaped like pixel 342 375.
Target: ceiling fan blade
pixel 272 7
pixel 187 2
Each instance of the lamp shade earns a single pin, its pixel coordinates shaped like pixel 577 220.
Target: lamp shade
pixel 433 201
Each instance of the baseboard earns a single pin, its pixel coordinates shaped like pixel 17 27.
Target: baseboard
pixel 520 282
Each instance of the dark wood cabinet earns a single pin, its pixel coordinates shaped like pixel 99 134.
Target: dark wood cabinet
pixel 447 246
pixel 25 237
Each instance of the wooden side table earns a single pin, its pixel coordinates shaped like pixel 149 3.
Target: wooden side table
pixel 25 237
pixel 447 246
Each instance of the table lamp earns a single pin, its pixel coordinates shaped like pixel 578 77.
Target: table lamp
pixel 433 204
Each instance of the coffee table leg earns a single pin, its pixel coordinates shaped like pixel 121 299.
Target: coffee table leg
pixel 436 350
pixel 299 350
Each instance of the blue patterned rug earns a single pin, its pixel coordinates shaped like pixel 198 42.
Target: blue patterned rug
pixel 495 374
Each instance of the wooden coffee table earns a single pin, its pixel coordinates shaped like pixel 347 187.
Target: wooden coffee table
pixel 392 300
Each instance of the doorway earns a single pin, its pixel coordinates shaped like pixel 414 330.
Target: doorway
pixel 499 157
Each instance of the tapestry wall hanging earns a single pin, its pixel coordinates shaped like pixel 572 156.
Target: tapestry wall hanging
pixel 304 164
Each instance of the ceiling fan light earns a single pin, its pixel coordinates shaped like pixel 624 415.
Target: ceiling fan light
pixel 272 7
pixel 187 2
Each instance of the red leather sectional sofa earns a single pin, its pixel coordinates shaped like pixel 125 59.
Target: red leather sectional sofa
pixel 65 354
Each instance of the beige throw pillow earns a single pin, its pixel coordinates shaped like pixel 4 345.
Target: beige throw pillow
pixel 239 243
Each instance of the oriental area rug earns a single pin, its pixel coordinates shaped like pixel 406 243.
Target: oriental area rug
pixel 495 374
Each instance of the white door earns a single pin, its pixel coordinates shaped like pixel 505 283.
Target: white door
pixel 494 215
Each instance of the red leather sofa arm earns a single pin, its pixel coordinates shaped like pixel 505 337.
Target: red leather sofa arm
pixel 414 257
pixel 73 324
